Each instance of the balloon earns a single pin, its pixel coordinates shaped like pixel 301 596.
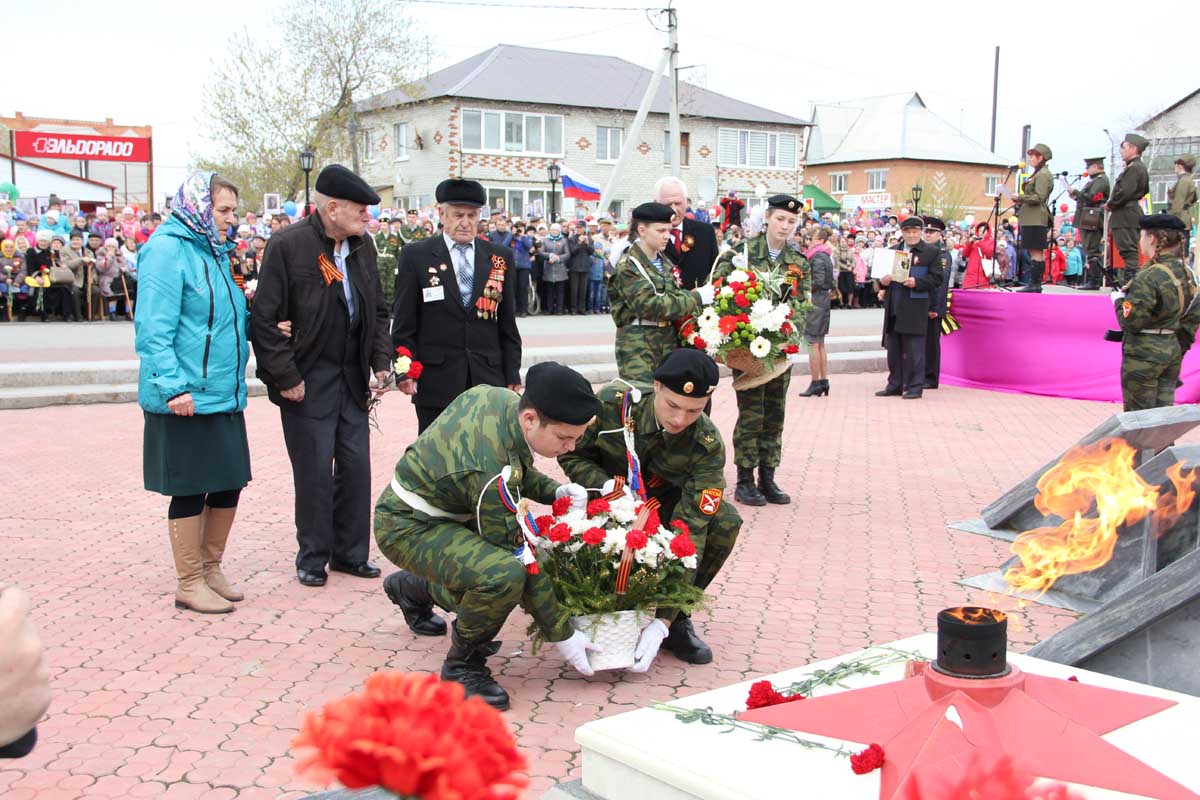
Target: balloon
pixel 10 189
pixel 969 219
pixel 289 208
pixel 375 212
pixel 962 226
pixel 1064 208
pixel 903 215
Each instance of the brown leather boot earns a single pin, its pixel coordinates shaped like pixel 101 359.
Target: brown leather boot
pixel 187 537
pixel 217 522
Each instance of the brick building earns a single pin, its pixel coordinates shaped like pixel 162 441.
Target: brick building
pixel 503 116
pixel 1173 132
pixel 869 153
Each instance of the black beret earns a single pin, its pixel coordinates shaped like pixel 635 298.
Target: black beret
pixel 460 192
pixel 912 222
pixel 1162 221
pixel 341 184
pixel 934 222
pixel 688 372
pixel 785 202
pixel 560 393
pixel 653 212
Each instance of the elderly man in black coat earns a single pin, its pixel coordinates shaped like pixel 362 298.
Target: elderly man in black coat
pixel 906 313
pixel 455 306
pixel 693 245
pixel 320 276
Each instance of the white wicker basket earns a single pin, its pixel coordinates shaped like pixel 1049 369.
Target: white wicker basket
pixel 617 633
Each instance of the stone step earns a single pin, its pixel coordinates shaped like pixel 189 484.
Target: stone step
pixel 119 385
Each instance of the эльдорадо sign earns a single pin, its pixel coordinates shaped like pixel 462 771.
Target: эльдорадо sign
pixel 81 147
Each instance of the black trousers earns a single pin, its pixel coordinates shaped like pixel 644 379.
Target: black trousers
pixel 933 352
pixel 1093 242
pixel 522 289
pixel 331 470
pixel 426 415
pixel 556 293
pixel 906 362
pixel 577 294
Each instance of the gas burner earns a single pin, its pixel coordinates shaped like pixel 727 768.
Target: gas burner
pixel 971 642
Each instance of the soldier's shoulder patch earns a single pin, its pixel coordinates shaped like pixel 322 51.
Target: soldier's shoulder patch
pixel 1126 308
pixel 710 501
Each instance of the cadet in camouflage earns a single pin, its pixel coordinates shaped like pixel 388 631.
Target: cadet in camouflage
pixel 387 249
pixel 446 518
pixel 683 465
pixel 646 297
pixel 1158 314
pixel 758 434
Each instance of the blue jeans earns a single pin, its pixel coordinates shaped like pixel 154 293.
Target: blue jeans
pixel 597 295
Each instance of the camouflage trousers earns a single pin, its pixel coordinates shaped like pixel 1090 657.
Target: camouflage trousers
pixel 387 277
pixel 712 548
pixel 478 581
pixel 641 348
pixel 758 434
pixel 1150 382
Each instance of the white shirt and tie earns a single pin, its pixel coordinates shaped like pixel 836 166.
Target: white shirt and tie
pixel 340 254
pixel 463 256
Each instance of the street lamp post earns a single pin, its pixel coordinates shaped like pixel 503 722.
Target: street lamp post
pixel 916 198
pixel 306 164
pixel 553 173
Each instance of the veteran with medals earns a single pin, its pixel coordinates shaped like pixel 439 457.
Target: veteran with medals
pixel 906 309
pixel 646 297
pixel 449 519
pixel 454 307
pixel 1158 313
pixel 680 460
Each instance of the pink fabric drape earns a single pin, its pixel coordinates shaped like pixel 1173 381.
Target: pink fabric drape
pixel 1045 344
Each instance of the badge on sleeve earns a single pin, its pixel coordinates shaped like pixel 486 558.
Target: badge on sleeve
pixel 1127 308
pixel 710 501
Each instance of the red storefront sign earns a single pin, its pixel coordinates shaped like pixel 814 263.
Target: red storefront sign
pixel 81 147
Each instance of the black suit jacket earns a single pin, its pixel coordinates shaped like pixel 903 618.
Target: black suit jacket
pixel 694 264
pixel 458 348
pixel 326 346
pixel 907 310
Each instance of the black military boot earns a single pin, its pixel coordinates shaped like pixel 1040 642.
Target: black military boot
pixel 770 490
pixel 466 663
pixel 685 644
pixel 1095 275
pixel 411 594
pixel 746 492
pixel 1036 270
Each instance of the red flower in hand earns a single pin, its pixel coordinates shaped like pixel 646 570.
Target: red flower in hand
pixel 728 325
pixel 682 546
pixel 403 351
pixel 593 537
pixel 561 506
pixel 599 506
pixel 636 540
pixel 415 369
pixel 560 533
pixel 699 343
pixel 544 523
pixel 682 527
pixel 741 300
pixel 1098 197
pixel 868 760
pixel 763 694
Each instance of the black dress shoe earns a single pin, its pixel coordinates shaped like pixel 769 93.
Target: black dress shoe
pixel 411 594
pixel 364 569
pixel 685 644
pixel 931 385
pixel 888 393
pixel 912 394
pixel 308 578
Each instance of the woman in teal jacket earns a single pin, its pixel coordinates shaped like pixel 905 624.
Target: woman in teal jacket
pixel 191 328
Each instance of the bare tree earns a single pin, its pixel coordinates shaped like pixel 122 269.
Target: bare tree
pixel 269 97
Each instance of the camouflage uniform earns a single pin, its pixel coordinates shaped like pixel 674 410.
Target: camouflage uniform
pixel 387 247
pixel 1159 321
pixel 758 434
pixel 686 472
pixel 645 304
pixel 470 565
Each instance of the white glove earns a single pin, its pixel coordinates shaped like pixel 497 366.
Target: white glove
pixel 574 651
pixel 610 484
pixel 578 495
pixel 707 292
pixel 648 644
pixel 740 261
pixel 1117 295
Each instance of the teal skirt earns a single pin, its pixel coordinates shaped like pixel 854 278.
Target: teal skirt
pixel 184 456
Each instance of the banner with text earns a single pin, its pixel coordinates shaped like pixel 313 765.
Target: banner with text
pixel 81 147
pixel 875 201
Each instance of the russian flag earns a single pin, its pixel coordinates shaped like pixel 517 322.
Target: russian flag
pixel 576 186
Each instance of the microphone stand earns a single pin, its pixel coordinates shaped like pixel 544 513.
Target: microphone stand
pixel 993 221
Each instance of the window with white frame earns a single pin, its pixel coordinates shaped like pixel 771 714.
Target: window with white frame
pixel 837 182
pixel 608 143
pixel 746 148
pixel 400 137
pixel 877 180
pixel 512 132
pixel 990 184
pixel 518 202
pixel 1160 188
pixel 367 146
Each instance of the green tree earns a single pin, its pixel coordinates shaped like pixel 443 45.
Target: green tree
pixel 946 198
pixel 270 95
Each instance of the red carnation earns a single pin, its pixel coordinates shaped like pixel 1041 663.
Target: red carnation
pixel 593 536
pixel 544 523
pixel 682 546
pixel 636 540
pixel 763 694
pixel 687 330
pixel 741 300
pixel 561 506
pixel 403 351
pixel 786 329
pixel 699 343
pixel 737 286
pixel 682 527
pixel 1073 678
pixel 791 348
pixel 1098 197
pixel 868 760
pixel 415 369
pixel 743 318
pixel 560 533
pixel 789 313
pixel 728 325
pixel 653 522
pixel 599 506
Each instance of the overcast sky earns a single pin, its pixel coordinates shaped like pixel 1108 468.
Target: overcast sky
pixel 784 57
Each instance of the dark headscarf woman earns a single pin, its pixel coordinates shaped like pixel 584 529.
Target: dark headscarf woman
pixel 191 338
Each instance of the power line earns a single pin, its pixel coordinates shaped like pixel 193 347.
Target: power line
pixel 539 6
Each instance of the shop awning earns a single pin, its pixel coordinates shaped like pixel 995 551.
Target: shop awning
pixel 821 201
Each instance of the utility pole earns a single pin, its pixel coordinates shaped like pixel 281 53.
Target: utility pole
pixel 673 74
pixel 995 95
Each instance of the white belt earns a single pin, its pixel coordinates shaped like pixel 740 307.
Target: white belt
pixel 1158 331
pixel 418 503
pixel 651 323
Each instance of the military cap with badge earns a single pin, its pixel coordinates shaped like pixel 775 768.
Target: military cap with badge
pixel 689 372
